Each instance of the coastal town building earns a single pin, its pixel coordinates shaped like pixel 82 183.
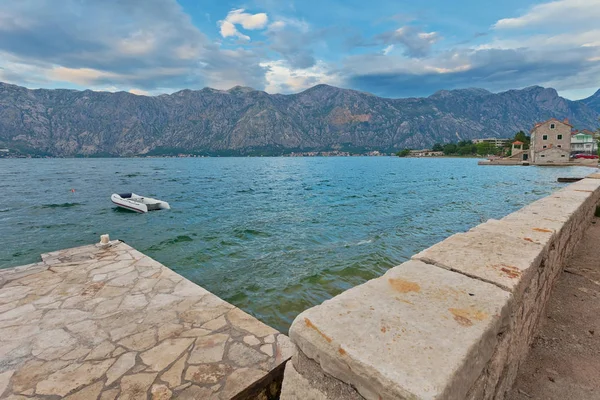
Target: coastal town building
pixel 518 152
pixel 550 142
pixel 425 153
pixel 584 141
pixel 496 142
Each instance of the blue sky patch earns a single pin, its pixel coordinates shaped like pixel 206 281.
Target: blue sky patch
pixel 389 48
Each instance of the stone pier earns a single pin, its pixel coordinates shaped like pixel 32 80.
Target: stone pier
pixel 111 323
pixel 454 322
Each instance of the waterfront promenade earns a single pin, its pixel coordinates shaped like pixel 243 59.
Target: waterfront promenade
pixel 455 322
pixel 106 323
pixel 564 360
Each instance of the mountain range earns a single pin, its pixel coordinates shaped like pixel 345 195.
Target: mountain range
pixel 244 121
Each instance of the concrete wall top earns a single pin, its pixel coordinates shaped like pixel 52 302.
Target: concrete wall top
pixel 449 323
pixel 407 333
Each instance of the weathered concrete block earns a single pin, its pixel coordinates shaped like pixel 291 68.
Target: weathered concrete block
pixel 304 379
pixel 390 338
pixel 589 186
pixel 489 253
pixel 418 332
pixel 565 225
pixel 295 386
pixel 593 176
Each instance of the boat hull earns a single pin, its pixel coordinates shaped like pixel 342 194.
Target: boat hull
pixel 128 204
pixel 140 204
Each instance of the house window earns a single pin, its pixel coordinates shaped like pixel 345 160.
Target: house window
pixel 542 155
pixel 559 145
pixel 545 137
pixel 544 146
pixel 559 137
pixel 562 155
pixel 552 126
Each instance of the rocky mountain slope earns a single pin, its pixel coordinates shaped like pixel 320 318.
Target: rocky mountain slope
pixel 593 101
pixel 246 121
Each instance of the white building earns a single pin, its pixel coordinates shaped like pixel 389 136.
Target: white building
pixel 494 141
pixel 584 142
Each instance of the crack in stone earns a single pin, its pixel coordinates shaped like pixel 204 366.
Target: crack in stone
pixel 442 266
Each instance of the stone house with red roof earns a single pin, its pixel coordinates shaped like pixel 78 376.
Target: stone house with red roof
pixel 550 142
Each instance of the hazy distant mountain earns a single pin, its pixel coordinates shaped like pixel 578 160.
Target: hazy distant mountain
pixel 593 101
pixel 246 121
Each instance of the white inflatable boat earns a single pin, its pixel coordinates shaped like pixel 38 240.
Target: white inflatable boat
pixel 134 202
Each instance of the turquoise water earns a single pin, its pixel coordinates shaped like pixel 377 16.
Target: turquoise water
pixel 273 236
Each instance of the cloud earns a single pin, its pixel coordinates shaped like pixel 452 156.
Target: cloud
pixel 150 45
pixel 492 69
pixel 282 78
pixel 293 39
pixel 153 47
pixel 228 29
pixel 416 42
pixel 80 76
pixel 559 54
pixel 277 26
pixel 139 92
pixel 567 12
pixel 246 20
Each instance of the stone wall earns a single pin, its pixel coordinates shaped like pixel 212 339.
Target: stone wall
pixel 552 155
pixel 538 143
pixel 454 322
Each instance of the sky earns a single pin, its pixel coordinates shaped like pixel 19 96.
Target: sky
pixel 391 48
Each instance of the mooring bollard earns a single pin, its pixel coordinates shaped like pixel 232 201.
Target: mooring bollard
pixel 104 242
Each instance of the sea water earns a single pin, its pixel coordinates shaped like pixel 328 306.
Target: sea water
pixel 273 236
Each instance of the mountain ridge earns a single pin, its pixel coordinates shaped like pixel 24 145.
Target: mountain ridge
pixel 245 121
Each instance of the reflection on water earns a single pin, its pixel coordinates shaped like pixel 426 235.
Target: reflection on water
pixel 273 236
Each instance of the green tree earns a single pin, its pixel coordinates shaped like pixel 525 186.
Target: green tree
pixel 437 147
pixel 484 149
pixel 449 149
pixel 465 150
pixel 403 153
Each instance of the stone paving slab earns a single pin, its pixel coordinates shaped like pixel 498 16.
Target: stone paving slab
pixel 111 323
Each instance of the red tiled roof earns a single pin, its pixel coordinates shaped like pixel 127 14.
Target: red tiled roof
pixel 517 142
pixel 565 122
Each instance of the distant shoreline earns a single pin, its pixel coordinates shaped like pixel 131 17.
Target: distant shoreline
pixel 228 156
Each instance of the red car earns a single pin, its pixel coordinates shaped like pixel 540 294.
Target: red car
pixel 586 156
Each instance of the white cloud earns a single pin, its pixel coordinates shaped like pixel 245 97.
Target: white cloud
pixel 139 92
pixel 388 49
pixel 565 12
pixel 247 21
pixel 416 43
pixel 13 21
pixel 549 41
pixel 277 26
pixel 138 43
pixel 281 78
pixel 79 76
pixel 151 45
pixel 229 30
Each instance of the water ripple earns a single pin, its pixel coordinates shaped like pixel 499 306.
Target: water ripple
pixel 273 236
